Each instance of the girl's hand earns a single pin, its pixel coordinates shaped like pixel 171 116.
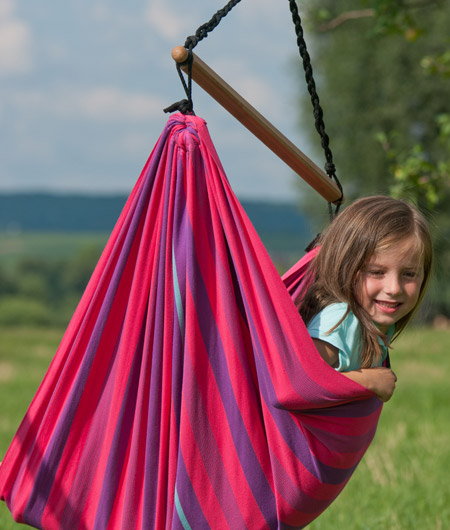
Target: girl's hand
pixel 379 380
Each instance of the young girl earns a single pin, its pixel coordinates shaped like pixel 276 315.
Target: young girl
pixel 370 274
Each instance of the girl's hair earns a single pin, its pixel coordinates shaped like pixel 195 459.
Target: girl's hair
pixel 366 226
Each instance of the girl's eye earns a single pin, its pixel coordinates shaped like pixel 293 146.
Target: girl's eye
pixel 410 274
pixel 375 272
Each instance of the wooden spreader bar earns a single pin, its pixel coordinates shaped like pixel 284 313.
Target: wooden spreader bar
pixel 241 109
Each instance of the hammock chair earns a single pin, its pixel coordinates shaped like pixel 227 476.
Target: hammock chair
pixel 186 392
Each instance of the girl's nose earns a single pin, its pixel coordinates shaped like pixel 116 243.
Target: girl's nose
pixel 392 284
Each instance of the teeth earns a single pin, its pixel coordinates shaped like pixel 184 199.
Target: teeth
pixel 388 304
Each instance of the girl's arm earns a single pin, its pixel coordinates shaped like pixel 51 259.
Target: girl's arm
pixel 379 380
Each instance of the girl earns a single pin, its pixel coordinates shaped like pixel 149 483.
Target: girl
pixel 370 274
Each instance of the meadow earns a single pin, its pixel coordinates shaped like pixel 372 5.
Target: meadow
pixel 48 246
pixel 402 482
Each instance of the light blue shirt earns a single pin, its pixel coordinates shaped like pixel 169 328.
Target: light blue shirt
pixel 346 337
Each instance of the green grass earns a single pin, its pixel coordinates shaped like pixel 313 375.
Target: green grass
pixel 25 355
pixel 402 482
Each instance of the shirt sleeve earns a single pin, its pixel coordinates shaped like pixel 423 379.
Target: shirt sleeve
pixel 346 337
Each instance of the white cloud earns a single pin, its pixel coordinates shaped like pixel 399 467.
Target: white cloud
pixel 119 18
pixel 137 144
pixel 101 103
pixel 250 85
pixel 169 23
pixel 15 41
pixel 6 8
pixel 117 104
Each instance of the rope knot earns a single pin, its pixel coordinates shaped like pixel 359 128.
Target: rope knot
pixel 330 168
pixel 184 106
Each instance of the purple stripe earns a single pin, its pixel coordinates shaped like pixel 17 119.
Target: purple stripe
pixel 353 409
pixel 179 250
pixel 153 475
pixel 342 443
pixel 188 498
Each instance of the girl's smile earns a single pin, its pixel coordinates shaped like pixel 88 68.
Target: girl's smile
pixel 391 282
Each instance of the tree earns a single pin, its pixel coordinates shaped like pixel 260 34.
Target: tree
pixel 382 70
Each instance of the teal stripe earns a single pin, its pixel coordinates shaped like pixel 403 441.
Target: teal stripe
pixel 180 512
pixel 177 294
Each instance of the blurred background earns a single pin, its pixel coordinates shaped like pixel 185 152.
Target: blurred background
pixel 83 89
pixel 83 85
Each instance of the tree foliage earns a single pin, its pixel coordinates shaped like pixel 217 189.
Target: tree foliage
pixel 382 68
pixel 41 291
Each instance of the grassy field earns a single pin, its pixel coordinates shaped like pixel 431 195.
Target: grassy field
pixel 402 483
pixel 284 248
pixel 46 245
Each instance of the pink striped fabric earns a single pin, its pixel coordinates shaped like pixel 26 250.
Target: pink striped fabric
pixel 186 392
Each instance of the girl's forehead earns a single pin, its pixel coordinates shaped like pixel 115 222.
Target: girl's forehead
pixel 407 251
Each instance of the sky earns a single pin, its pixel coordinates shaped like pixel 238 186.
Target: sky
pixel 83 85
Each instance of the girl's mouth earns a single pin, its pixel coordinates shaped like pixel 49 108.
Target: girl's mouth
pixel 388 307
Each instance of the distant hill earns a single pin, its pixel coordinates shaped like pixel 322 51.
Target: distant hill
pixel 280 225
pixel 42 212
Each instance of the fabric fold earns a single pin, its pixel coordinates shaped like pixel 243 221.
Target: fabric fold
pixel 186 392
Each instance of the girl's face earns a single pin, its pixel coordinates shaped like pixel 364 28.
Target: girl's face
pixel 390 282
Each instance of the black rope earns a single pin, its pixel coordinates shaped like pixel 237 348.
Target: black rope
pixel 185 106
pixel 330 168
pixel 204 29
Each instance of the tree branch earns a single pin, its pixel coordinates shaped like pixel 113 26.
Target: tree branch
pixel 365 13
pixel 346 16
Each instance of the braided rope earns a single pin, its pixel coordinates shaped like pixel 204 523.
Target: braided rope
pixel 204 29
pixel 317 109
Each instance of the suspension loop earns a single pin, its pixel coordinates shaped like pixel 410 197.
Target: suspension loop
pixel 187 87
pixel 330 168
pixel 186 106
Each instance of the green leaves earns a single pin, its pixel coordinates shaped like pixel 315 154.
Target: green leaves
pixel 437 64
pixel 415 174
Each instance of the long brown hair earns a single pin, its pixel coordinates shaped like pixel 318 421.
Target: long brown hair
pixel 367 225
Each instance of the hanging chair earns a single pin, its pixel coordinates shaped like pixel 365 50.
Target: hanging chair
pixel 186 392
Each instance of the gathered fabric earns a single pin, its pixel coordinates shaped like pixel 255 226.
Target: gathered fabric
pixel 186 392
